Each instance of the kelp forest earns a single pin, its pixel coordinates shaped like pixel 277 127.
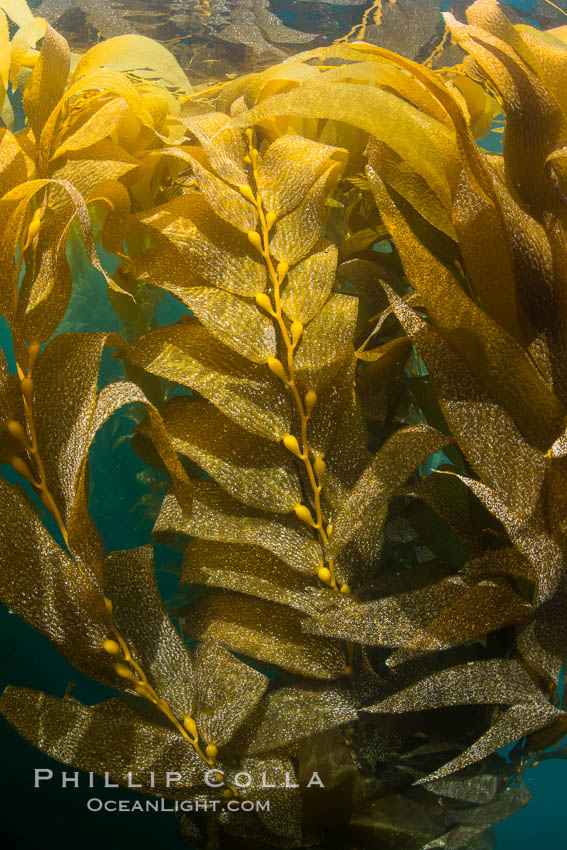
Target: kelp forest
pixel 353 433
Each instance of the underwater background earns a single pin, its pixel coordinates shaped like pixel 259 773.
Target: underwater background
pixel 212 40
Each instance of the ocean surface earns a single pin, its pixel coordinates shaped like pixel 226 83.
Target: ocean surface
pixel 52 817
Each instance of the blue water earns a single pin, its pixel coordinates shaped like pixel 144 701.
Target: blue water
pixel 527 6
pixel 543 820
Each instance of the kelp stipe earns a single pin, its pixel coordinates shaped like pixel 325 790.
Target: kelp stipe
pixel 371 378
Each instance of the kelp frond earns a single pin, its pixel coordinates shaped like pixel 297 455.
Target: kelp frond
pixel 360 416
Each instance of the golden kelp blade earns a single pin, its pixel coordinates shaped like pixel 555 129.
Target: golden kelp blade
pixel 48 80
pixel 268 632
pixel 387 471
pixel 133 53
pixel 18 11
pixel 255 471
pixel 215 515
pixel 490 440
pixel 517 721
pixel 250 570
pixel 239 388
pixel 494 349
pixel 129 581
pixel 109 737
pixel 369 496
pixel 76 619
pixel 449 613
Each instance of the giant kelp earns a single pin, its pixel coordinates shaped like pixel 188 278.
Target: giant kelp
pixel 365 449
pixel 215 38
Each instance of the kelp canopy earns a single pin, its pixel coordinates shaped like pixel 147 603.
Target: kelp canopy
pixel 214 38
pixel 360 417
